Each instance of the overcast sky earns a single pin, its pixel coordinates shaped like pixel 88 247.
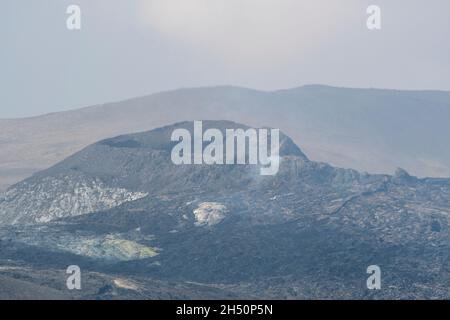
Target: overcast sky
pixel 128 48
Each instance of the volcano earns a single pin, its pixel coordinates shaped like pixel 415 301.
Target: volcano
pixel 121 208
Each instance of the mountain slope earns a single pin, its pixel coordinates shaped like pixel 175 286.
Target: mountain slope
pixel 308 232
pixel 366 129
pixel 115 171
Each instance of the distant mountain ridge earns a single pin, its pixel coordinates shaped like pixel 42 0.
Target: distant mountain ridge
pixel 367 129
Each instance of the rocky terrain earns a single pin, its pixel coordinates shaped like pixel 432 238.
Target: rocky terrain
pixel 142 227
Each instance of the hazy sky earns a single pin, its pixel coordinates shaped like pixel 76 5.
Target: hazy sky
pixel 130 48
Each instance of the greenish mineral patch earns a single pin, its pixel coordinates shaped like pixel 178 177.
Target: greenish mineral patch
pixel 128 250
